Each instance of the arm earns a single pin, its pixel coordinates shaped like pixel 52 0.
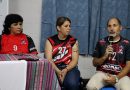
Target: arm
pixel 75 56
pixel 31 46
pixel 124 71
pixel 112 79
pixel 99 61
pixel 48 55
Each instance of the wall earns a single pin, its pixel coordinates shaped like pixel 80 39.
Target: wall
pixel 3 11
pixel 31 12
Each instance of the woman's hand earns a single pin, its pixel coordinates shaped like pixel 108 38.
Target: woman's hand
pixel 63 74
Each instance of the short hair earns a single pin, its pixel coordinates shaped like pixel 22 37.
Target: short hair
pixel 9 19
pixel 118 20
pixel 60 20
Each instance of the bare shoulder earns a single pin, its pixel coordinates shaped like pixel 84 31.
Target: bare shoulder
pixel 76 47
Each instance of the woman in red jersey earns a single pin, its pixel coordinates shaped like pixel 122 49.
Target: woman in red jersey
pixel 62 51
pixel 13 40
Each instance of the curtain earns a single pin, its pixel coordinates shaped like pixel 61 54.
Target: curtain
pixel 89 18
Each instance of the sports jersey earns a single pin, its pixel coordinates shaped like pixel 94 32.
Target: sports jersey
pixel 121 54
pixel 62 49
pixel 16 44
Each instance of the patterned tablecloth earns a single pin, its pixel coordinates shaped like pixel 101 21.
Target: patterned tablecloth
pixel 40 74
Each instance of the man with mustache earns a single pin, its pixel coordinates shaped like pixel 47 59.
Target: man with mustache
pixel 111 58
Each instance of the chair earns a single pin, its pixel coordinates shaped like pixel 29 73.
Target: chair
pixel 83 83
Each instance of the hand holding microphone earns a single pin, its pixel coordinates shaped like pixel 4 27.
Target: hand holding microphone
pixel 109 49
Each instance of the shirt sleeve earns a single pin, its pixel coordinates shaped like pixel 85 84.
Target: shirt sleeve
pixel 97 49
pixel 31 46
pixel 128 52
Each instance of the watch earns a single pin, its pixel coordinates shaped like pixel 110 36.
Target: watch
pixel 117 79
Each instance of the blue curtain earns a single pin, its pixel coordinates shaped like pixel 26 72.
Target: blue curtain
pixel 88 18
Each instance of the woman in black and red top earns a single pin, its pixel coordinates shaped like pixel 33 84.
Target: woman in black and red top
pixel 13 40
pixel 62 51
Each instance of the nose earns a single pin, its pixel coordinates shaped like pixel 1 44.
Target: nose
pixel 69 27
pixel 111 28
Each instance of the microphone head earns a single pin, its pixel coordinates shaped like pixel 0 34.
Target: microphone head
pixel 111 38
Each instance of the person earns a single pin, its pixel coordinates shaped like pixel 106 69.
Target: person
pixel 13 40
pixel 111 58
pixel 62 51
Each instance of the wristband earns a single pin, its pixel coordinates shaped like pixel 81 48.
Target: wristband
pixel 117 79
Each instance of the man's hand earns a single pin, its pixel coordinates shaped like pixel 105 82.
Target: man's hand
pixel 109 50
pixel 110 79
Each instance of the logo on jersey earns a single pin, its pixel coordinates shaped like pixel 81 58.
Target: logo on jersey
pixel 112 67
pixel 62 51
pixel 120 50
pixel 23 42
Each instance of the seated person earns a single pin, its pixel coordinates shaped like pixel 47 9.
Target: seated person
pixel 13 40
pixel 62 51
pixel 111 57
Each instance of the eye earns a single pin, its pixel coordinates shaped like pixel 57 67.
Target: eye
pixel 115 25
pixel 20 24
pixel 109 25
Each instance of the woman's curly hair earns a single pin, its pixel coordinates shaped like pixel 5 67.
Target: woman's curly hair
pixel 9 19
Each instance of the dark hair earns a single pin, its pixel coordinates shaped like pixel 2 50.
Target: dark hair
pixel 118 20
pixel 9 19
pixel 60 20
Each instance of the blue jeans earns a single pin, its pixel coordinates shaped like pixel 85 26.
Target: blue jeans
pixel 72 80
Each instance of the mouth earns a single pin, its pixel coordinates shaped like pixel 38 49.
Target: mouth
pixel 19 30
pixel 112 34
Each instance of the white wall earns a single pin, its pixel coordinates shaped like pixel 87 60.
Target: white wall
pixel 31 12
pixel 3 11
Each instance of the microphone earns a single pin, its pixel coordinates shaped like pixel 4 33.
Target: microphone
pixel 111 39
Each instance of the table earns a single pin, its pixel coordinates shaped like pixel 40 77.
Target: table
pixel 20 72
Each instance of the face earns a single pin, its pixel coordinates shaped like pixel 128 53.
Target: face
pixel 64 29
pixel 16 28
pixel 114 27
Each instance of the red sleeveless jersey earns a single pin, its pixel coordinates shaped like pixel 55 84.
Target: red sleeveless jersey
pixel 62 49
